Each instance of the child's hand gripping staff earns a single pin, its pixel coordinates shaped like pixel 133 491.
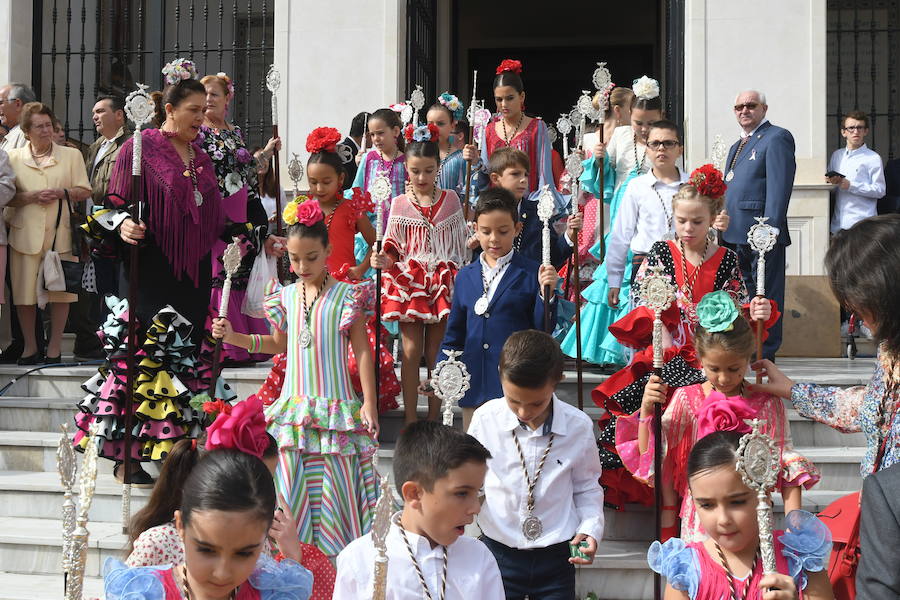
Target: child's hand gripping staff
pixel 657 291
pixel 761 238
pixel 232 261
pixel 545 208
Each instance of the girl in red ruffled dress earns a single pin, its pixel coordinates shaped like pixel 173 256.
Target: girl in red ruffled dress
pixel 424 247
pixel 697 266
pixel 344 218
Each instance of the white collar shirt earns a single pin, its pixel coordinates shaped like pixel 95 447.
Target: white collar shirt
pixel 568 496
pixel 644 217
pixel 744 134
pixel 494 274
pixel 104 148
pixel 472 571
pixel 864 170
pixel 15 138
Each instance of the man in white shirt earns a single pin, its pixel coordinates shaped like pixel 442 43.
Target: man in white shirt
pixel 858 174
pixel 13 97
pixel 439 472
pixel 543 507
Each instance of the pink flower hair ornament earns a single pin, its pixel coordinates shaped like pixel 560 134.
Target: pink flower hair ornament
pixel 243 429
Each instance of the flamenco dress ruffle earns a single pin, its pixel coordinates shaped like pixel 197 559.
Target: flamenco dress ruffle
pixel 168 376
pixel 414 291
pixel 598 346
pixel 325 469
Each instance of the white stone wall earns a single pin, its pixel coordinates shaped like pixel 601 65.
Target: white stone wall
pixel 335 63
pixel 777 47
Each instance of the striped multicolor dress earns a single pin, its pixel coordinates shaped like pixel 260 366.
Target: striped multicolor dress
pixel 325 470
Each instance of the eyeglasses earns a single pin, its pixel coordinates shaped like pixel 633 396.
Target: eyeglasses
pixel 855 128
pixel 667 144
pixel 747 105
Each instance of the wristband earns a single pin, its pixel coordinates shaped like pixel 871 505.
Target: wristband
pixel 255 343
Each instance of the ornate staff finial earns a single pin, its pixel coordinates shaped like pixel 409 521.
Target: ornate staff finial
pixel 657 291
pixel 451 382
pixel 417 101
pixel 759 464
pixel 380 527
pixel 602 83
pixel 66 465
pixel 564 125
pixel 762 238
pixel 545 208
pixel 273 82
pixel 86 485
pixel 719 153
pixel 295 172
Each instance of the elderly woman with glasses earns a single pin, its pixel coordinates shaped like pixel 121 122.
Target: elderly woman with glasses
pixel 49 179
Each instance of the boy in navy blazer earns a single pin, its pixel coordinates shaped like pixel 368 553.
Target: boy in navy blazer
pixel 493 297
pixel 759 172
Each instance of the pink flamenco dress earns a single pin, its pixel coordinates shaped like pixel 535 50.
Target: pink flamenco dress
pixel 692 415
pixel 271 580
pixel 430 243
pixel 802 547
pixel 325 470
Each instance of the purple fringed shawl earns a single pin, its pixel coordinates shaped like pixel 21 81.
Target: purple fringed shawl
pixel 184 231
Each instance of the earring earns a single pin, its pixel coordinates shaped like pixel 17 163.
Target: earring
pixel 291 268
pixel 451 139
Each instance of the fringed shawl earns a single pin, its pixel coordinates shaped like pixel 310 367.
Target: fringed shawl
pixel 440 239
pixel 184 231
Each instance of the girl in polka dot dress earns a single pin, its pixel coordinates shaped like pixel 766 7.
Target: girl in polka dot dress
pixel 697 266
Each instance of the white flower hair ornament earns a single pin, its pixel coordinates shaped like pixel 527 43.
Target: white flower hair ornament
pixel 179 70
pixel 646 88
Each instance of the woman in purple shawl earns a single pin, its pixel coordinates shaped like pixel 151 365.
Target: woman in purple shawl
pixel 182 218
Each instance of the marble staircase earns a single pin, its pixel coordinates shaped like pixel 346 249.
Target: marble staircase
pixel 33 408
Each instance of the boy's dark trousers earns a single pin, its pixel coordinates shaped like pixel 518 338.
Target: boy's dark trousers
pixel 540 574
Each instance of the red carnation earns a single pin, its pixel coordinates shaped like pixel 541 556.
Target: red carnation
pixel 510 64
pixel 708 181
pixel 323 139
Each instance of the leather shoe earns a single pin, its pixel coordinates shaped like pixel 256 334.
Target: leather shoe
pixel 27 361
pixel 52 360
pixel 12 353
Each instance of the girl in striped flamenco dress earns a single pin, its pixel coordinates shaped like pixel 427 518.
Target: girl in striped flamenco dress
pixel 325 433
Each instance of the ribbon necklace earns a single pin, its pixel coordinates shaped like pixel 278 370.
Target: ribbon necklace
pixel 412 557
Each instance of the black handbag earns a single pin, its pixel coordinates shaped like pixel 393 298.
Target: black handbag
pixel 73 271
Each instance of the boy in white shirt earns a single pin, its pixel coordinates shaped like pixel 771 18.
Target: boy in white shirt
pixel 645 212
pixel 858 174
pixel 439 472
pixel 543 498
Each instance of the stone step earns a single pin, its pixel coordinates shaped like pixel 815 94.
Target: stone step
pixel 19 586
pixel 65 382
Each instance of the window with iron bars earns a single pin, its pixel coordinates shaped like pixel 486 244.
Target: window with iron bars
pixel 87 48
pixel 863 40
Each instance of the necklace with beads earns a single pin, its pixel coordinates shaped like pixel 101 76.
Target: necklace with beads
pixel 639 167
pixel 412 558
pixel 731 584
pixel 426 214
pixel 330 216
pixel 191 172
pixel 186 586
pixel 509 140
pixel 383 163
pixel 687 288
pixel 306 337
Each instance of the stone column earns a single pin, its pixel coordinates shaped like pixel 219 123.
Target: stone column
pixel 15 41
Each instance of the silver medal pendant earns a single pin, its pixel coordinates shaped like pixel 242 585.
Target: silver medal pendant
pixel 198 197
pixel 532 528
pixel 481 305
pixel 305 338
pixel 730 176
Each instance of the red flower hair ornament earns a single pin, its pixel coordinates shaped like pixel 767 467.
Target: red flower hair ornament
pixel 421 133
pixel 244 429
pixel 510 64
pixel 323 139
pixel 708 181
pixel 309 213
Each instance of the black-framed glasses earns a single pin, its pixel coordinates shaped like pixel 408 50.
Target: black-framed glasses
pixel 747 105
pixel 667 144
pixel 855 128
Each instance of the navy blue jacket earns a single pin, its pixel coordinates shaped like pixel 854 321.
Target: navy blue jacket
pixel 762 184
pixel 516 305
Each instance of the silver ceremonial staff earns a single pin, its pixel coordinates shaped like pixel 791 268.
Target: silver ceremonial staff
pixel 657 292
pixel 86 485
pixel 451 382
pixel 380 528
pixel 66 465
pixel 545 208
pixel 758 464
pixel 761 238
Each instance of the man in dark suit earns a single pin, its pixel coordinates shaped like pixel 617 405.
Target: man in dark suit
pixel 356 142
pixel 891 201
pixel 86 315
pixel 879 536
pixel 759 172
